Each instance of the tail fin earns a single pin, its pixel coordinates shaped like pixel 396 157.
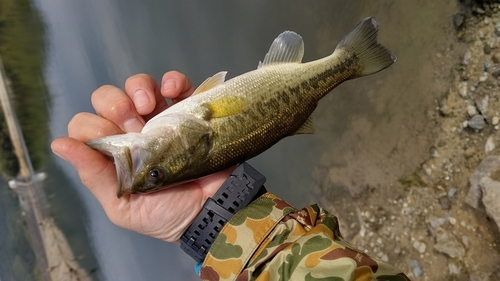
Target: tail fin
pixel 362 42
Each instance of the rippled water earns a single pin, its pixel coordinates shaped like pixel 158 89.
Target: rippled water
pixel 368 132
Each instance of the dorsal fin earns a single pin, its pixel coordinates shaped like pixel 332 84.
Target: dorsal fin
pixel 288 47
pixel 211 82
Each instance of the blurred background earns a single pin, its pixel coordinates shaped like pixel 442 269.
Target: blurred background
pixel 369 132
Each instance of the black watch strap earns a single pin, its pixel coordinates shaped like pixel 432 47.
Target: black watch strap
pixel 240 189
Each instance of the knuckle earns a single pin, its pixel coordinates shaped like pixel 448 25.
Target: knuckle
pixel 138 81
pixel 102 90
pixel 76 122
pixel 101 130
pixel 140 76
pixel 121 109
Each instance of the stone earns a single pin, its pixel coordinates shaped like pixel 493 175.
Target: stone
pixel 487 49
pixel 482 105
pixel 487 12
pixel 465 240
pixel 477 122
pixel 478 10
pixel 419 246
pixel 490 144
pixel 466 58
pixel 417 270
pixel 464 76
pixel 448 244
pixel 453 269
pixel 483 77
pixel 435 223
pixel 488 166
pixel 471 110
pixel 495 72
pixel 445 203
pixel 478 276
pixel 452 192
pixel 487 65
pixel 452 220
pixel 497 29
pixel 495 120
pixel 458 21
pixel 434 152
pixel 495 58
pixel 491 198
pixel 463 87
pixel 469 152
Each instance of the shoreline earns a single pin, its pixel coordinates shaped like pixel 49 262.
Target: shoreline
pixel 53 253
pixel 427 219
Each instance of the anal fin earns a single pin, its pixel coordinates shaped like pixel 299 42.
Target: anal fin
pixel 306 128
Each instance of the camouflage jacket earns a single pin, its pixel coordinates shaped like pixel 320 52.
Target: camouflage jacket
pixel 271 240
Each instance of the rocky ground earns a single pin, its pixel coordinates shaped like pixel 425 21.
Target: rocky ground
pixel 442 222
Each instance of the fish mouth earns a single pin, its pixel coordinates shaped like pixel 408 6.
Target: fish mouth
pixel 122 159
pixel 123 164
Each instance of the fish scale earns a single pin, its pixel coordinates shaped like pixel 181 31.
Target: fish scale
pixel 227 122
pixel 285 118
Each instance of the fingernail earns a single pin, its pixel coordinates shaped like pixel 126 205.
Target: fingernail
pixel 133 125
pixel 140 98
pixel 169 84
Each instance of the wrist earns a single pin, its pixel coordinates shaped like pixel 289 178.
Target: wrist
pixel 240 189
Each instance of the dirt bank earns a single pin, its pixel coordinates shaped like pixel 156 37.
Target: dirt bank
pixel 427 223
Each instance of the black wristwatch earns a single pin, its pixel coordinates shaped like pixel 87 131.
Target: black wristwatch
pixel 243 186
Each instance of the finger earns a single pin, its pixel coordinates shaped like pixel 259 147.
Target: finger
pixel 86 126
pixel 145 93
pixel 176 86
pixel 113 104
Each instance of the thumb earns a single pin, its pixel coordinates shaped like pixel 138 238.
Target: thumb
pixel 96 171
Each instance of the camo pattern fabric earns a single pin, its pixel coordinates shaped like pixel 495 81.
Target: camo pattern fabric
pixel 271 240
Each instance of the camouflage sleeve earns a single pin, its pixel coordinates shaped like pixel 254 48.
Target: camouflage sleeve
pixel 271 240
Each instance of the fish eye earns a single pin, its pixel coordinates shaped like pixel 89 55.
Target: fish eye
pixel 155 174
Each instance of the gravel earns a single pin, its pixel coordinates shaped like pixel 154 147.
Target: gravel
pixel 477 122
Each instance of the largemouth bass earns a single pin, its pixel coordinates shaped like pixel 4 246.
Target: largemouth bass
pixel 226 123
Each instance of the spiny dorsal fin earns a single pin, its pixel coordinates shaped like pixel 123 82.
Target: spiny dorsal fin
pixel 306 128
pixel 211 82
pixel 226 106
pixel 288 47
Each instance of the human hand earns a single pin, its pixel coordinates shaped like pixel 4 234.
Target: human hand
pixel 165 214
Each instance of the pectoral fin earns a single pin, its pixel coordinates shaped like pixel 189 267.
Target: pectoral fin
pixel 211 82
pixel 306 128
pixel 226 106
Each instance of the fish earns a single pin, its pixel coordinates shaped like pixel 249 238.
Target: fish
pixel 224 123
